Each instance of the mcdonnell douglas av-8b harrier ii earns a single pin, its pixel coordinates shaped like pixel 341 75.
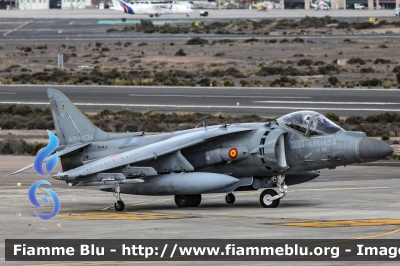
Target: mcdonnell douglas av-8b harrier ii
pixel 211 159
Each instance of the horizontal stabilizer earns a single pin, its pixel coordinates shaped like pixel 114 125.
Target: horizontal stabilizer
pixel 65 151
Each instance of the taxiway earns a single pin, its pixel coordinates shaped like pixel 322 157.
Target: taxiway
pixel 351 203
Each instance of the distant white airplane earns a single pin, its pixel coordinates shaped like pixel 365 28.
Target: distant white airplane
pixel 320 4
pixel 148 8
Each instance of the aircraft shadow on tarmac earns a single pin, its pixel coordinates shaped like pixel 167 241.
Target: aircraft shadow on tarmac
pixel 212 206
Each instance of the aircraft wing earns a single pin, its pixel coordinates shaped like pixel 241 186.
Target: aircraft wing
pixel 151 151
pixel 63 152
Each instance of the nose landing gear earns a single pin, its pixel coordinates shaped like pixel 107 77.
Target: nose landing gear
pixel 269 198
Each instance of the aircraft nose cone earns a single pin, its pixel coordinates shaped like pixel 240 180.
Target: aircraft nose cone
pixel 372 149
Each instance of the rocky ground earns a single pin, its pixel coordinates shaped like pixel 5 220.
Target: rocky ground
pixel 284 62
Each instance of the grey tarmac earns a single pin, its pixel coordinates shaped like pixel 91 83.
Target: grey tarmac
pixel 357 201
pixel 269 102
pixel 214 14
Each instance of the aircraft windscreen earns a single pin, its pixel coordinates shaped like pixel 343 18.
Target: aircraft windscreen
pixel 319 124
pixel 324 125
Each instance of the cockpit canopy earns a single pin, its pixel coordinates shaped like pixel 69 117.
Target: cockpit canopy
pixel 316 123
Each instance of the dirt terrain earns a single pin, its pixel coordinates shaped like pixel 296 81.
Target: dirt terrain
pixel 283 61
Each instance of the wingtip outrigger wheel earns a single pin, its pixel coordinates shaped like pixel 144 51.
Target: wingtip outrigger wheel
pixel 119 204
pixel 230 198
pixel 269 198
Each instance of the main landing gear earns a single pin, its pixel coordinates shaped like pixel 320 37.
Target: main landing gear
pixel 119 204
pixel 183 201
pixel 269 198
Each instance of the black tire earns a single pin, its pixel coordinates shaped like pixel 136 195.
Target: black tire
pixel 230 198
pixel 269 193
pixel 195 200
pixel 119 206
pixel 183 201
pixel 206 14
pixel 123 19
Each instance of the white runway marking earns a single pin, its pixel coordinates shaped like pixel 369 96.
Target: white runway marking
pixel 5 34
pixel 212 106
pixel 215 96
pixel 353 103
pixel 9 93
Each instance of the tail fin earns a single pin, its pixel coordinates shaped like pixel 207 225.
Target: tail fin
pixel 115 3
pixel 72 126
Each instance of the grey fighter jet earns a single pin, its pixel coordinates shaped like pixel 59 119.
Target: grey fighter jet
pixel 211 159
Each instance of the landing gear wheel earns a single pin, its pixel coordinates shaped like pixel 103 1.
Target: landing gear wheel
pixel 151 16
pixel 195 200
pixel 266 199
pixel 183 201
pixel 119 205
pixel 123 19
pixel 230 198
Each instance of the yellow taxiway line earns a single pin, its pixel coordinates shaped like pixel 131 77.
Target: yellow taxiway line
pixel 342 223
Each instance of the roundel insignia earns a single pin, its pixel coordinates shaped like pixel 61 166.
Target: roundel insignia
pixel 233 153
